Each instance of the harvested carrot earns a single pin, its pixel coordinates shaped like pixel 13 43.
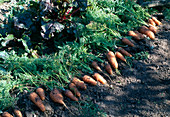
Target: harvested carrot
pixel 108 69
pixel 57 97
pixel 131 33
pixel 40 92
pixel 124 52
pixel 151 22
pixel 126 41
pixel 140 34
pixel 18 113
pixel 89 80
pixel 96 66
pixel 70 95
pixel 120 56
pixel 153 29
pixel 99 78
pixel 79 83
pixel 6 114
pixel 37 101
pixel 112 59
pixel 146 31
pixel 134 35
pixel 157 22
pixel 74 89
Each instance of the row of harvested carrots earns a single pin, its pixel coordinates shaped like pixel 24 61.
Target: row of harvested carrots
pixel 38 96
pixel 73 92
pixel 149 31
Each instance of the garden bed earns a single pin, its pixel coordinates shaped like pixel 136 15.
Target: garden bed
pixel 142 89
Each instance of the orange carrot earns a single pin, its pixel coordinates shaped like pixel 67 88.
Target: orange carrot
pixel 134 35
pixel 99 78
pixel 18 113
pixel 126 41
pixel 99 69
pixel 70 95
pixel 57 97
pixel 108 69
pixel 131 33
pixel 79 83
pixel 124 52
pixel 146 31
pixel 151 22
pixel 95 65
pixel 120 56
pixel 153 29
pixel 6 114
pixel 89 80
pixel 37 101
pixel 157 22
pixel 73 88
pixel 40 92
pixel 112 59
pixel 140 34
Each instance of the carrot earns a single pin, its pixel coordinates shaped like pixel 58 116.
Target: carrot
pixel 89 80
pixel 157 22
pixel 95 65
pixel 151 22
pixel 134 35
pixel 99 69
pixel 108 69
pixel 40 92
pixel 146 31
pixel 79 83
pixel 70 95
pixel 140 34
pixel 153 29
pixel 131 33
pixel 17 113
pixel 124 52
pixel 120 56
pixel 112 59
pixel 57 97
pixel 99 78
pixel 6 114
pixel 37 101
pixel 126 41
pixel 73 88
